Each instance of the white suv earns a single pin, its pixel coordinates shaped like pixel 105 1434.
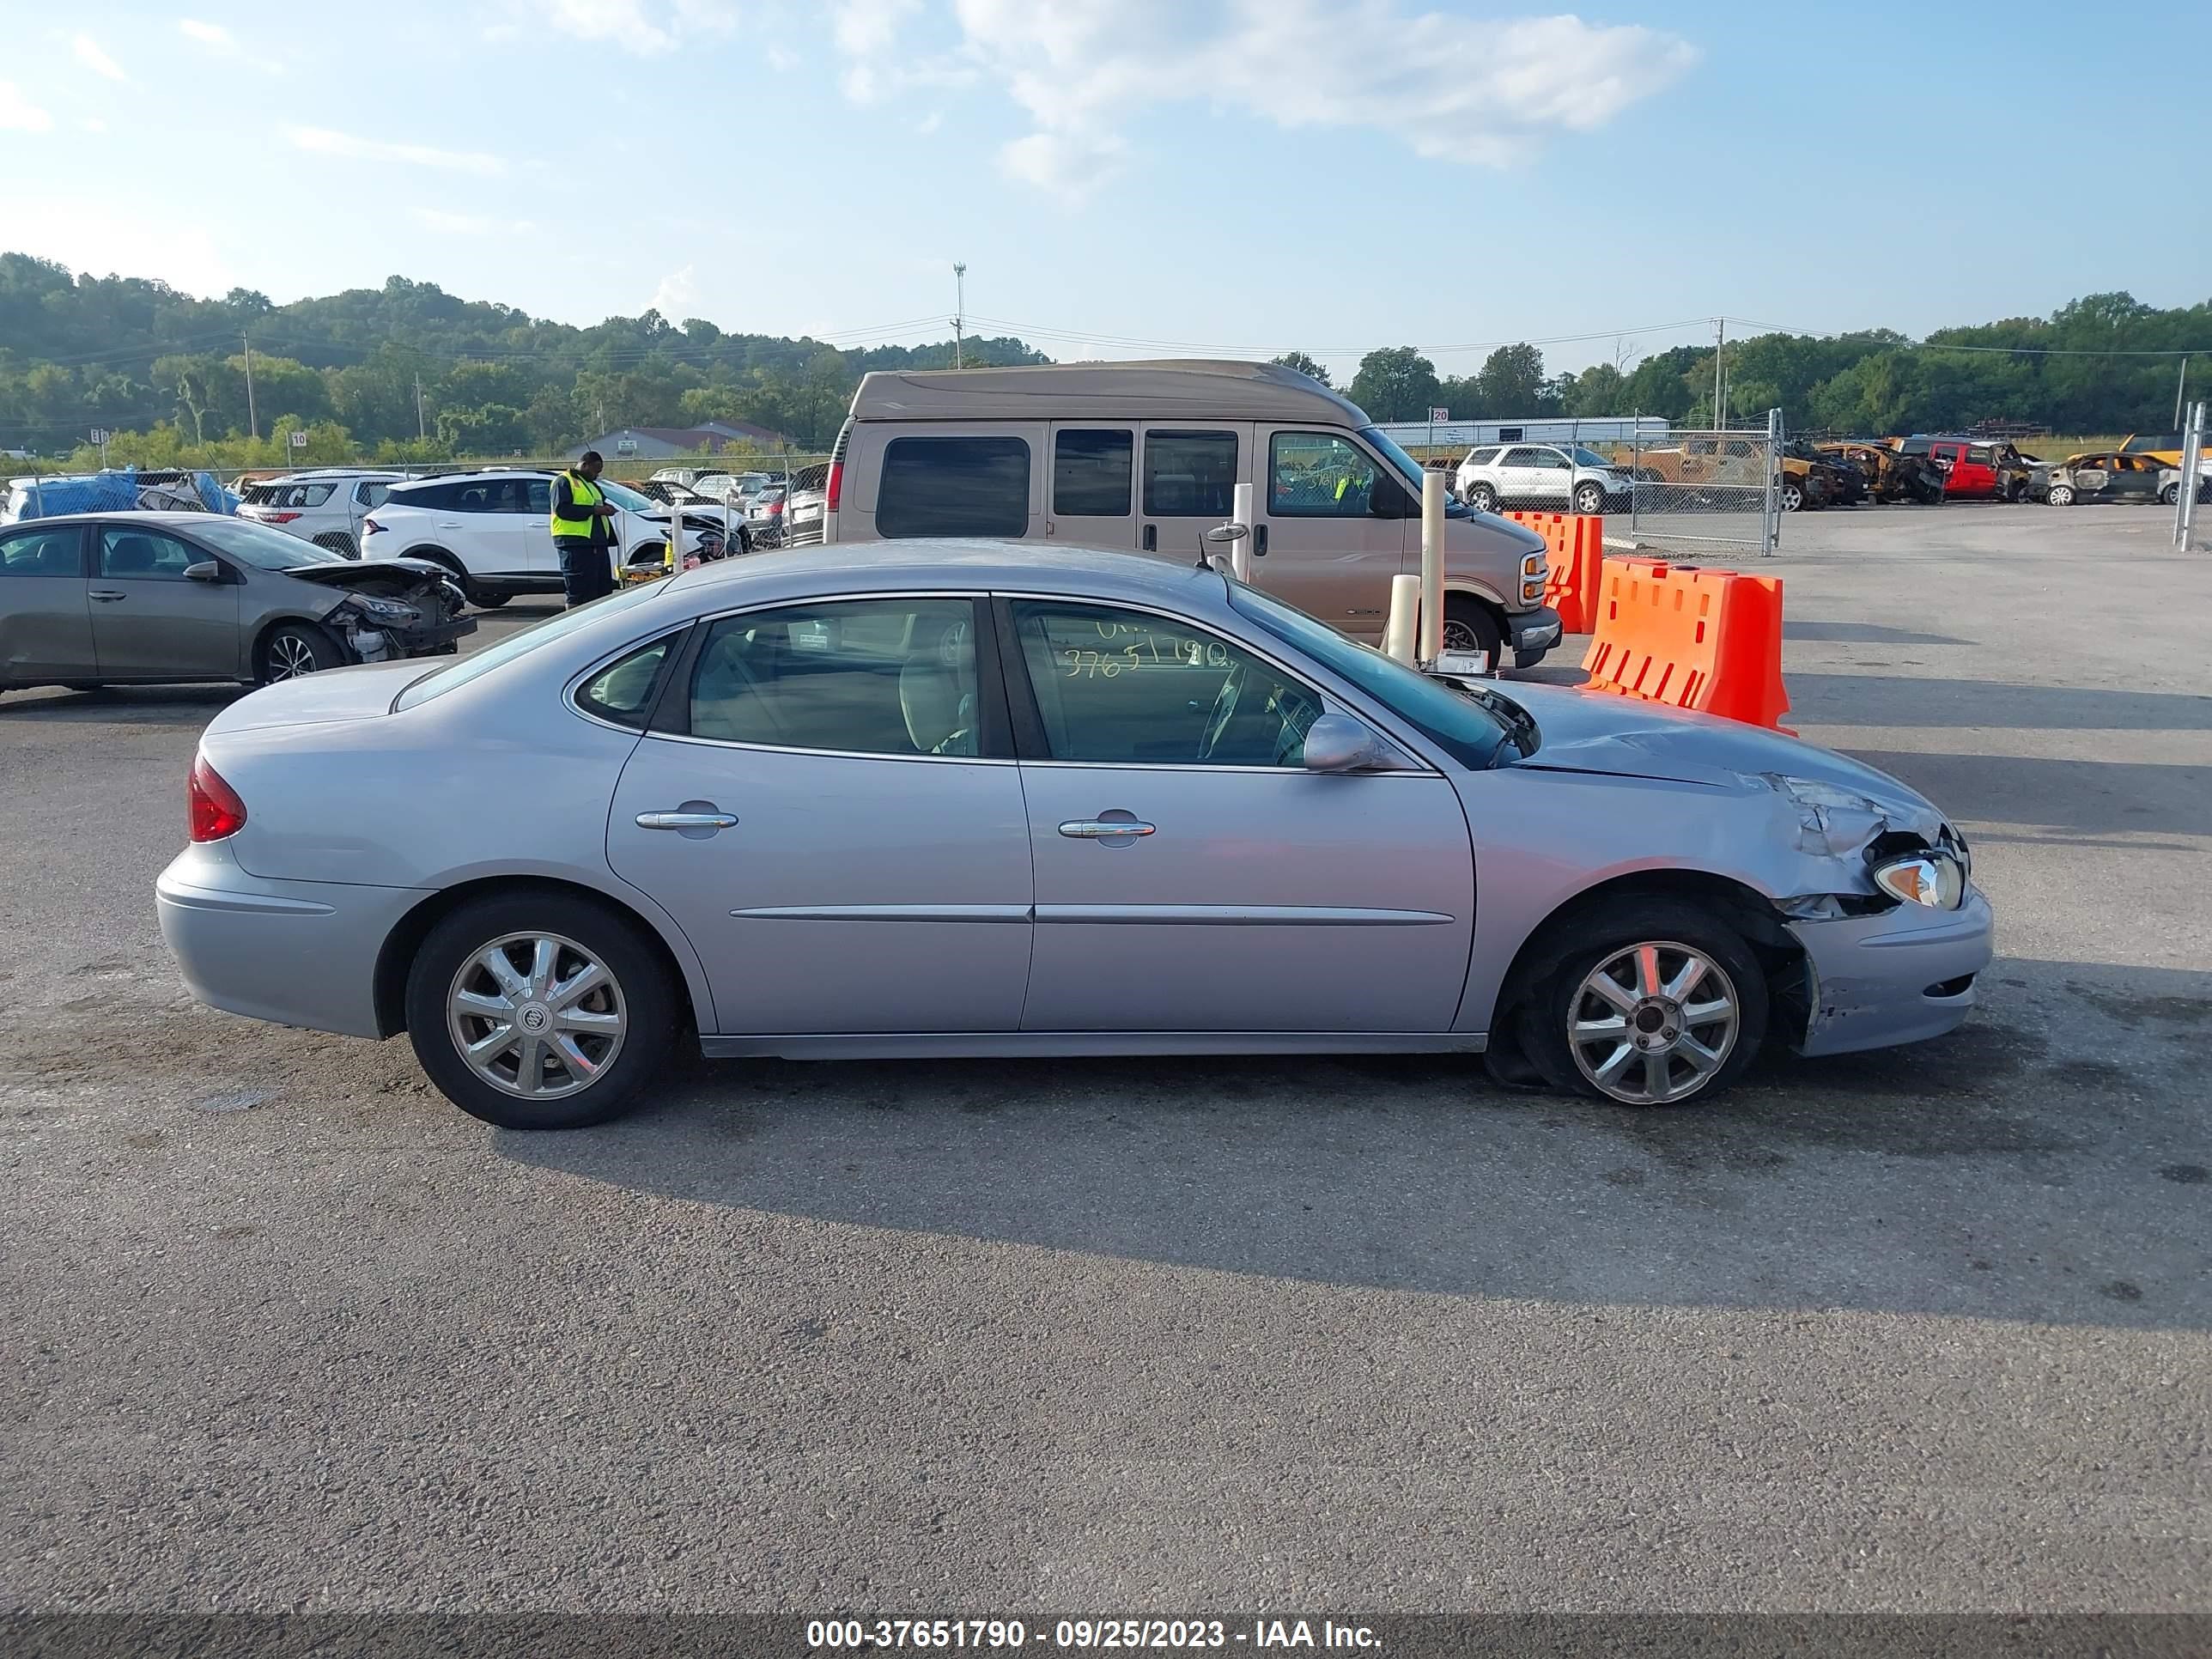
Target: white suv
pixel 493 531
pixel 325 506
pixel 1547 478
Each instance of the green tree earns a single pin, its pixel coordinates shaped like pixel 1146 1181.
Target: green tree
pixel 1305 365
pixel 1511 382
pixel 1394 383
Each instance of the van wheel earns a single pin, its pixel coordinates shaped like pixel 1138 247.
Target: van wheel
pixel 1482 497
pixel 539 1010
pixel 1663 1004
pixel 1468 626
pixel 1589 500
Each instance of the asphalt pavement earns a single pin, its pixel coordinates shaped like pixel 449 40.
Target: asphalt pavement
pixel 1924 1330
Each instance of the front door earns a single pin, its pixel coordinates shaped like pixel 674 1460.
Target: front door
pixel 151 622
pixel 46 620
pixel 1094 475
pixel 1189 478
pixel 1333 529
pixel 1191 875
pixel 828 823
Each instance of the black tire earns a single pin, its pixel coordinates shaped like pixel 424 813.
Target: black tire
pixel 1589 500
pixel 490 599
pixel 644 993
pixel 1546 1010
pixel 1482 497
pixel 2170 495
pixel 292 649
pixel 1469 625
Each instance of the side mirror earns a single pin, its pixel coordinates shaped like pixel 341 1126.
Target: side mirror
pixel 1226 534
pixel 207 570
pixel 1338 742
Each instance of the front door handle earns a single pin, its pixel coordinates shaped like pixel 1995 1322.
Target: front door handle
pixel 1260 541
pixel 687 820
pixel 1105 829
pixel 1151 538
pixel 107 592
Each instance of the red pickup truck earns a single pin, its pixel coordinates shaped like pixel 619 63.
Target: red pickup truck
pixel 1970 472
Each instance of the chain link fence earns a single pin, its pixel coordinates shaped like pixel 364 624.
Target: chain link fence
pixel 1722 490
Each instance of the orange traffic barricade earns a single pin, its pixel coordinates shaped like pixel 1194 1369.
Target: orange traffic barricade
pixel 1708 640
pixel 1577 544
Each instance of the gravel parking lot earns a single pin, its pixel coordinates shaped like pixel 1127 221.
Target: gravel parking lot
pixel 1921 1330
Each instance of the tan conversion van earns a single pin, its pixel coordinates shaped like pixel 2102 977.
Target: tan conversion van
pixel 1147 456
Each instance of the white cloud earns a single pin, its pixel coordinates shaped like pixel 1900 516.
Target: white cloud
pixel 19 114
pixel 469 224
pixel 676 293
pixel 89 54
pixel 322 141
pixel 208 34
pixel 642 26
pixel 1447 88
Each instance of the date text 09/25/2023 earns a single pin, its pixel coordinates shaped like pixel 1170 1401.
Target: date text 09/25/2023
pixel 1118 1635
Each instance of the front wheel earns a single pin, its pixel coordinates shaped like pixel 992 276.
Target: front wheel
pixel 1589 500
pixel 1482 498
pixel 295 649
pixel 1662 1005
pixel 490 598
pixel 539 1010
pixel 1468 626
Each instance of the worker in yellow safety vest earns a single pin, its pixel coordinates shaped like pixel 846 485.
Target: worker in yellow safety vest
pixel 583 531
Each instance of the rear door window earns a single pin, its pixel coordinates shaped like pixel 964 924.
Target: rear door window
pixel 965 486
pixel 56 552
pixel 1190 475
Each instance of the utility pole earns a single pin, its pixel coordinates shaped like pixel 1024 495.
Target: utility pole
pixel 1720 347
pixel 959 308
pixel 422 426
pixel 252 425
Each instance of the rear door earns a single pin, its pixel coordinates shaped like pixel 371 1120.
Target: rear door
pixel 1332 530
pixel 1189 477
pixel 46 620
pixel 149 621
pixel 1093 501
pixel 1946 458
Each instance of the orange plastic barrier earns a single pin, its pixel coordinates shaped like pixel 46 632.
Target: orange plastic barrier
pixel 1709 640
pixel 1578 562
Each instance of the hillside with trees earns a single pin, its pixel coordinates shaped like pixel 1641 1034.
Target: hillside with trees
pixel 409 371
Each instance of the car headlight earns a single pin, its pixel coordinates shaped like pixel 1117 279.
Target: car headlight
pixel 386 611
pixel 1934 879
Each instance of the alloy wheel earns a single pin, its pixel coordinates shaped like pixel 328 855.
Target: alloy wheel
pixel 289 657
pixel 536 1016
pixel 1653 1024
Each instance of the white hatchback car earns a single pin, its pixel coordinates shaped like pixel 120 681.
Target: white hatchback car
pixel 493 530
pixel 1547 478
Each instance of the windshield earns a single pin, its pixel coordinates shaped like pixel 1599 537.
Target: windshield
pixel 1590 458
pixel 264 549
pixel 623 495
pixel 460 673
pixel 1407 465
pixel 1456 721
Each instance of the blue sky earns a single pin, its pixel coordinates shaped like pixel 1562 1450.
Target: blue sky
pixel 1240 175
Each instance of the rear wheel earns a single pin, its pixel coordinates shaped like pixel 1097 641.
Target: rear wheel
pixel 291 649
pixel 2062 495
pixel 1468 626
pixel 1482 497
pixel 2171 494
pixel 1662 1004
pixel 1793 495
pixel 540 1010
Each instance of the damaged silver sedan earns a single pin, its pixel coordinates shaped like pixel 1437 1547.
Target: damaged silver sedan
pixel 953 798
pixel 138 598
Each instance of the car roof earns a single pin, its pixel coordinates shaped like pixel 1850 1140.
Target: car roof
pixel 484 473
pixel 1170 389
pixel 967 563
pixel 184 519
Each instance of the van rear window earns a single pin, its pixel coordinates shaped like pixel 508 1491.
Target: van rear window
pixel 1090 473
pixel 954 487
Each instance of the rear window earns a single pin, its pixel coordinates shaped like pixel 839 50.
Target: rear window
pixel 1482 457
pixel 1979 454
pixel 1190 475
pixel 1091 473
pixel 434 498
pixel 975 486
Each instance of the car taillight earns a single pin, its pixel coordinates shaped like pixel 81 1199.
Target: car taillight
pixel 370 527
pixel 774 507
pixel 835 488
pixel 217 811
pixel 267 517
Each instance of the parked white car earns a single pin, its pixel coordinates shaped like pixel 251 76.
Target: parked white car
pixel 739 487
pixel 1546 477
pixel 494 530
pixel 324 506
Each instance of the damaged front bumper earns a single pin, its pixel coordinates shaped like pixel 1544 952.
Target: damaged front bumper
pixel 376 641
pixel 1902 976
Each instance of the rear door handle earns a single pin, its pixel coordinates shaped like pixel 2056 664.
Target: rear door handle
pixel 1105 829
pixel 1260 541
pixel 1151 538
pixel 687 820
pixel 107 592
